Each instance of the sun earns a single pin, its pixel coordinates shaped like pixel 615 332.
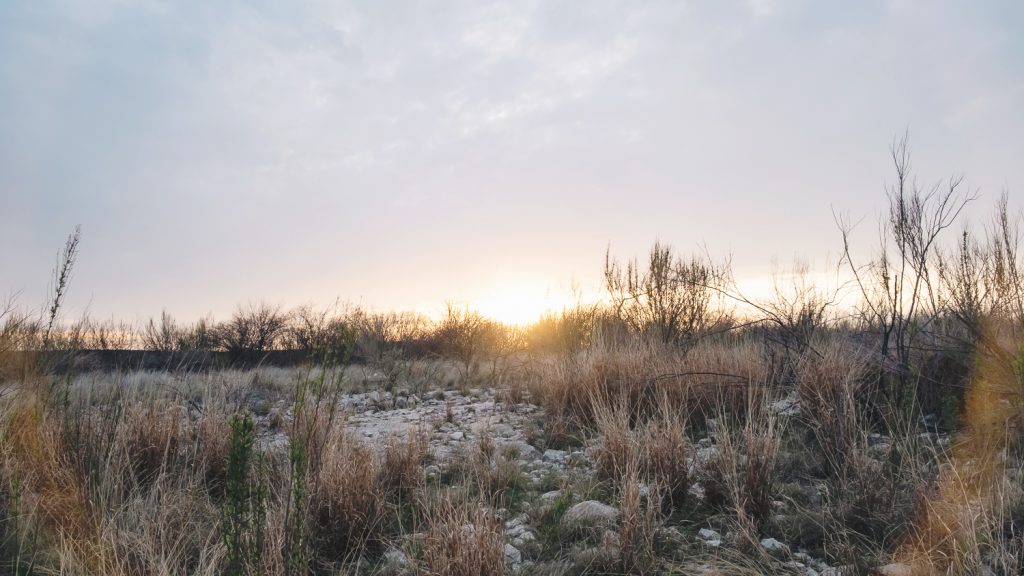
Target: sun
pixel 520 305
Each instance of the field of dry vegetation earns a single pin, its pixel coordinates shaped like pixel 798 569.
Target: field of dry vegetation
pixel 676 428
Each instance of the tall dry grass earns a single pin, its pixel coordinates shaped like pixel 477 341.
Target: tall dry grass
pixel 742 474
pixel 463 539
pixel 971 521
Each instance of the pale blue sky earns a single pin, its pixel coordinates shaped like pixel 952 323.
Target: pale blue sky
pixel 403 153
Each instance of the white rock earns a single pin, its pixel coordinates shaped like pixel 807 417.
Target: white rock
pixel 550 496
pixel 515 522
pixel 786 407
pixel 396 557
pixel 524 539
pixel 704 455
pixel 557 456
pixel 696 491
pixel 512 554
pixel 895 569
pixel 773 545
pixel 708 534
pixel 589 513
pixel 515 531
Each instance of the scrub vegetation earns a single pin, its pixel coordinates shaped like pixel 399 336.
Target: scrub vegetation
pixel 678 427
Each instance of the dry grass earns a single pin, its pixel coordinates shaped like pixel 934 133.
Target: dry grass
pixel 126 474
pixel 619 444
pixel 347 506
pixel 121 494
pixel 463 539
pixel 962 527
pixel 639 519
pixel 646 377
pixel 741 476
pixel 668 453
pixel 402 461
pixel 828 385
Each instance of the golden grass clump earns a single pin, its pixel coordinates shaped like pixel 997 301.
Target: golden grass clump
pixel 668 452
pixel 646 375
pixel 463 539
pixel 401 467
pixel 741 475
pixel 347 505
pixel 828 385
pixel 639 520
pixel 972 519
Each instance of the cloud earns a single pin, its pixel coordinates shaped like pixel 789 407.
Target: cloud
pixel 251 134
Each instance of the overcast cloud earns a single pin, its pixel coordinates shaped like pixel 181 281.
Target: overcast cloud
pixel 403 153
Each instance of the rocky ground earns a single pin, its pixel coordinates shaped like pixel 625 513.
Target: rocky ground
pixel 564 521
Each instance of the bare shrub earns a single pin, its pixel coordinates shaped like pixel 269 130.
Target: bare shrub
pixel 790 318
pixel 18 333
pixel 199 336
pixel 162 336
pixel 982 278
pixel 320 332
pixel 381 333
pixel 898 287
pixel 108 335
pixel 464 335
pixel 567 331
pixel 676 300
pixel 252 331
pixel 481 346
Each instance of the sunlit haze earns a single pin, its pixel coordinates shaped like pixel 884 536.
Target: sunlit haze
pixel 405 155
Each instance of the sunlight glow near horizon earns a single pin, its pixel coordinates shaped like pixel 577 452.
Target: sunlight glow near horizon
pixel 523 304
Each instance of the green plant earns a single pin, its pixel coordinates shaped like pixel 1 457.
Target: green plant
pixel 314 415
pixel 550 516
pixel 244 509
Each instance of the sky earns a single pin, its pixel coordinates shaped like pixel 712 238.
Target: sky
pixel 404 154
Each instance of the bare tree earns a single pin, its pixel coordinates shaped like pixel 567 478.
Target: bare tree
pixel 388 333
pixel 253 331
pixel 463 335
pixel 325 331
pixel 109 335
pixel 982 279
pixel 897 285
pixel 201 335
pixel 163 336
